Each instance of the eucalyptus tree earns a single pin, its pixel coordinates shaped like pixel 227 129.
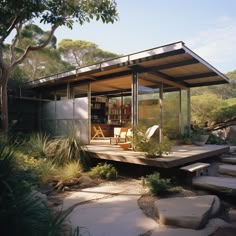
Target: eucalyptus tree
pixel 81 53
pixel 43 62
pixel 15 14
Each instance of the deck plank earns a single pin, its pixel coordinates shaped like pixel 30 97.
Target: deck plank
pixel 180 155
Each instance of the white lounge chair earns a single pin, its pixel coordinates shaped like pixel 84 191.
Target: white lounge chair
pixel 150 131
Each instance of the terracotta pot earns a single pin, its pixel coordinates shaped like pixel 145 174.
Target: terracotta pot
pixel 125 145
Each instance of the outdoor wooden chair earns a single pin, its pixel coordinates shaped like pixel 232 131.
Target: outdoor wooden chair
pixel 150 131
pixel 121 137
pixel 98 132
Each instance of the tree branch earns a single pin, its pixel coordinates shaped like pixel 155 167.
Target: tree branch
pixel 14 41
pixel 35 47
pixel 10 28
pixel 13 24
pixel 223 124
pixel 2 63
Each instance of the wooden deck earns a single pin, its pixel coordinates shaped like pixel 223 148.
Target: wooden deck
pixel 179 156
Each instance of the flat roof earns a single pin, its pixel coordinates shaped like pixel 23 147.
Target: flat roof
pixel 174 64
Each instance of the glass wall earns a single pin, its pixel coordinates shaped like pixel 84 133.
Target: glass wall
pixel 148 101
pixel 171 114
pixel 185 113
pixel 174 112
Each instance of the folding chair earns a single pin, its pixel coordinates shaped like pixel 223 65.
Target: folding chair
pixel 121 137
pixel 98 132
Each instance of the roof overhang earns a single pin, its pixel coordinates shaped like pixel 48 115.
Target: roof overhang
pixel 174 63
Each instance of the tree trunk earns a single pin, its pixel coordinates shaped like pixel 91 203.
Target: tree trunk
pixel 4 101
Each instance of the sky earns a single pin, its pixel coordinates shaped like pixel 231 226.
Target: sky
pixel 208 27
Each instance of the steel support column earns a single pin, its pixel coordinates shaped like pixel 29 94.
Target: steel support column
pixel 135 98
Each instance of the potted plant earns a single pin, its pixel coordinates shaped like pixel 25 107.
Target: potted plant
pixel 199 136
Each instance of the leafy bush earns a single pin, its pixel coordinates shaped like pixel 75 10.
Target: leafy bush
pixel 156 184
pixel 66 149
pixel 156 149
pixel 21 211
pixel 213 139
pixel 151 146
pixel 104 171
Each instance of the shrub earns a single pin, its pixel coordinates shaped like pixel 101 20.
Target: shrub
pixel 63 150
pixel 151 146
pixel 156 184
pixel 36 145
pixel 156 149
pixel 69 171
pixel 104 171
pixel 46 170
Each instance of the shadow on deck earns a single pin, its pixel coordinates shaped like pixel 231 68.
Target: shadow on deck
pixel 180 155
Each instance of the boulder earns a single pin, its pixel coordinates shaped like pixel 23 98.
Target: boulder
pixel 187 212
pixel 231 134
pixel 231 160
pixel 218 184
pixel 227 170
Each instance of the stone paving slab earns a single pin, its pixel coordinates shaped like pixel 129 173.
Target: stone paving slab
pixel 228 169
pixel 187 212
pixel 231 160
pixel 116 216
pixel 103 191
pixel 218 184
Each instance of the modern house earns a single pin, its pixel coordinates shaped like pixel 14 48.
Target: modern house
pixel 149 87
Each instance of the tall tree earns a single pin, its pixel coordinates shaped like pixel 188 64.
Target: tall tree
pixel 15 14
pixel 82 53
pixel 43 62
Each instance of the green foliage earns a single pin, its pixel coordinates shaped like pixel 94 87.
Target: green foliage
pixel 225 113
pixel 204 106
pixel 155 149
pixel 151 146
pixel 104 171
pixel 81 53
pixel 69 171
pixel 157 185
pixel 54 12
pixel 209 107
pixel 36 145
pixel 65 149
pixel 213 139
pixel 22 212
pixel 17 78
pixel 45 170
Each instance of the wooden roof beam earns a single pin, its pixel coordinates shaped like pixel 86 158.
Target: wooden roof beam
pixel 139 68
pixel 168 80
pixel 197 76
pixel 208 83
pixel 162 77
pixel 176 64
